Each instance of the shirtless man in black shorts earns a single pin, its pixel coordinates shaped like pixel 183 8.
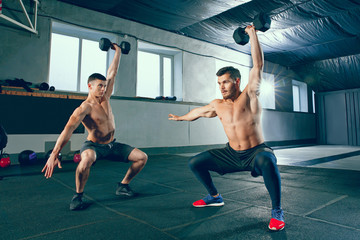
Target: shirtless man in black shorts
pixel 240 113
pixel 96 115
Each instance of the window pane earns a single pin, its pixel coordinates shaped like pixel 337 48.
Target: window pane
pixel 313 100
pixel 148 82
pixel 63 62
pixel 93 60
pixel 267 92
pixel 167 71
pixel 296 98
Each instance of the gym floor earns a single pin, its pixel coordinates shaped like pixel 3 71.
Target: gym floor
pixel 320 198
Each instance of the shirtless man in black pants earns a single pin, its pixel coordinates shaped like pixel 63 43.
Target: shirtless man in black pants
pixel 96 115
pixel 240 113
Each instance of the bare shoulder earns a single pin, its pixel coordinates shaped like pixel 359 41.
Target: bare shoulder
pixel 85 107
pixel 215 102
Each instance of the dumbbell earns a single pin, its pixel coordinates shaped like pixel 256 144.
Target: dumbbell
pixel 105 44
pixel 261 22
pixel 4 160
pixel 43 86
pixel 77 157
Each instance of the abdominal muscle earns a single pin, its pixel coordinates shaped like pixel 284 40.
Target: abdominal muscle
pixel 243 136
pixel 101 137
pixel 100 129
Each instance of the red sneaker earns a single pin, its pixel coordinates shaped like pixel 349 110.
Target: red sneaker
pixel 276 225
pixel 209 201
pixel 277 221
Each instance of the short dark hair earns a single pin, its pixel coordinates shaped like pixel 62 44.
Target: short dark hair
pixel 234 72
pixel 94 76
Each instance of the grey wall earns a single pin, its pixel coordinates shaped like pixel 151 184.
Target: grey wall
pixel 141 123
pixel 339 117
pixel 287 126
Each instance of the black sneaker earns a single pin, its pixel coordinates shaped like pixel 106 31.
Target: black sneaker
pixel 125 190
pixel 77 203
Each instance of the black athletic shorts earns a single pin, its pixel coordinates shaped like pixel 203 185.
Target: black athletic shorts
pixel 229 160
pixel 113 151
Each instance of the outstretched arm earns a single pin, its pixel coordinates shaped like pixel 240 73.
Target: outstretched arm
pixel 74 121
pixel 112 71
pixel 207 111
pixel 258 62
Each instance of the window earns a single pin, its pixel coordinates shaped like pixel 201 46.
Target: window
pixel 296 98
pixel 157 74
pixel 74 56
pixel 300 102
pixel 267 91
pixel 313 101
pixel 64 62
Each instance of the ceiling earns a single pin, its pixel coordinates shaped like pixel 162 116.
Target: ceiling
pixel 318 39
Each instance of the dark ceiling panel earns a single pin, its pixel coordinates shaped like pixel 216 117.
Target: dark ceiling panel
pixel 169 15
pixel 303 32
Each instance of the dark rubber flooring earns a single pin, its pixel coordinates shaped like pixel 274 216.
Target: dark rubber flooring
pixel 318 203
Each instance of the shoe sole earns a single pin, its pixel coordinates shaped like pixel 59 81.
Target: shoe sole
pixel 274 229
pixel 124 194
pixel 211 205
pixel 79 207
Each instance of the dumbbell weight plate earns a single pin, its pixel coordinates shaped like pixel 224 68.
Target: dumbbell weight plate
pixel 262 22
pixel 125 47
pixel 240 36
pixel 104 44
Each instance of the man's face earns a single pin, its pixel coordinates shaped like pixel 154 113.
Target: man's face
pixel 228 86
pixel 97 87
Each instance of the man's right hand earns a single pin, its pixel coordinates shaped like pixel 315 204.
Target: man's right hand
pixel 250 28
pixel 174 117
pixel 50 165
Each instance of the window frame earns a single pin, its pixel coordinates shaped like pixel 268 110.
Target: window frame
pixel 175 55
pixel 161 71
pixel 299 97
pixel 81 34
pixel 303 95
pixel 268 80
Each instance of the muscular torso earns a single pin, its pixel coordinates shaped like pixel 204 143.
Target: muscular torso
pixel 100 122
pixel 241 121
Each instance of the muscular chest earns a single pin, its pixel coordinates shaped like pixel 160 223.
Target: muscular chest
pixel 101 114
pixel 233 112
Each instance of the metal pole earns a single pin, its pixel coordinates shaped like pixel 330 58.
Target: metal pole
pixel 36 8
pixel 32 28
pixel 25 12
pixel 17 23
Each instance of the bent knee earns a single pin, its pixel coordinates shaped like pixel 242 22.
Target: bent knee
pixel 138 156
pixel 193 163
pixel 87 160
pixel 143 158
pixel 265 159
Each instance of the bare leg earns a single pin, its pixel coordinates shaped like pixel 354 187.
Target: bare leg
pixel 138 159
pixel 83 169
